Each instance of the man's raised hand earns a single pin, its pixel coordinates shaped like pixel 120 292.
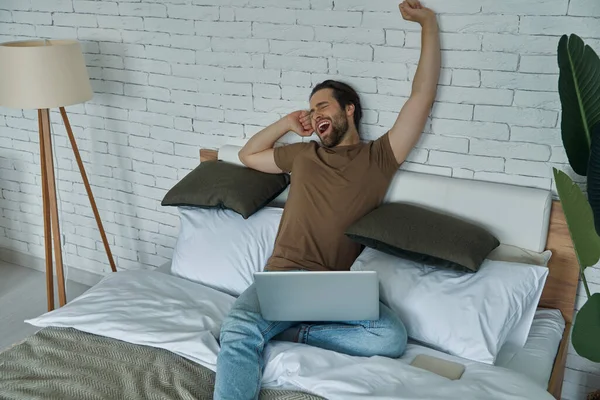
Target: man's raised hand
pixel 412 10
pixel 299 122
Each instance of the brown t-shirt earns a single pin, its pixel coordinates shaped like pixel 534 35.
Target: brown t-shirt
pixel 330 189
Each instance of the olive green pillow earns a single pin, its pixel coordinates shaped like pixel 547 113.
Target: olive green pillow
pixel 413 232
pixel 218 184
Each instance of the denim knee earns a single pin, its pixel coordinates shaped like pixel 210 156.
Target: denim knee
pixel 237 325
pixel 392 338
pixel 395 342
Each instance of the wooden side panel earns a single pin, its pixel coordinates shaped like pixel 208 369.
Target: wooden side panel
pixel 561 286
pixel 558 370
pixel 208 155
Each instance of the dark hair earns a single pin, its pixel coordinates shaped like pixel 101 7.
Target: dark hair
pixel 344 94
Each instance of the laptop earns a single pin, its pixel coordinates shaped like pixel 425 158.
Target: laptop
pixel 318 296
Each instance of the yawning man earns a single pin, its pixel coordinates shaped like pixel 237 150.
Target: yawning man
pixel 333 184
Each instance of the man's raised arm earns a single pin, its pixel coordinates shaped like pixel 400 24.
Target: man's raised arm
pixel 258 153
pixel 410 122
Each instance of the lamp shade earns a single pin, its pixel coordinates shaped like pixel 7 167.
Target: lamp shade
pixel 43 74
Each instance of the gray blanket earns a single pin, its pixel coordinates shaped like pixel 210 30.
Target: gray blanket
pixel 67 364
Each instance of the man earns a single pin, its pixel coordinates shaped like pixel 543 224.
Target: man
pixel 333 184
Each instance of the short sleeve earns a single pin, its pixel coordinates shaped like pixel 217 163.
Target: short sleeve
pixel 285 155
pixel 383 155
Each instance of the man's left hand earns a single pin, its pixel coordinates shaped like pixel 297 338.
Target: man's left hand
pixel 412 10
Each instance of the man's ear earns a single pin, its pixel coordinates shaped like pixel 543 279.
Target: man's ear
pixel 350 109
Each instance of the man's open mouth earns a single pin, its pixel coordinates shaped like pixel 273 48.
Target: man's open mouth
pixel 323 126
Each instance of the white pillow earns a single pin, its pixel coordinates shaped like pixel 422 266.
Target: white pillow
pixel 506 252
pixel 149 308
pixel 518 336
pixel 469 315
pixel 222 250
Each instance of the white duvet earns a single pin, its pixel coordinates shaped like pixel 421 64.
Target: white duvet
pixel 159 310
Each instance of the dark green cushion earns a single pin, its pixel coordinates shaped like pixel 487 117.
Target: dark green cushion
pixel 217 184
pixel 419 234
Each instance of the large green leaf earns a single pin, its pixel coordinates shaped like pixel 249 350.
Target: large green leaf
pixel 579 219
pixel 593 178
pixel 579 90
pixel 586 331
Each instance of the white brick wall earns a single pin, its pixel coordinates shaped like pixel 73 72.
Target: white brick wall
pixel 173 76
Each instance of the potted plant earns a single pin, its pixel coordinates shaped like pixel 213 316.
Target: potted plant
pixel 579 90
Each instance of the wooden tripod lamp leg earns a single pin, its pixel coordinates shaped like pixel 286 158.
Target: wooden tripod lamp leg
pixel 47 225
pixel 51 184
pixel 88 188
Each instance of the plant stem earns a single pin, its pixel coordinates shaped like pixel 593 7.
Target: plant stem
pixel 585 285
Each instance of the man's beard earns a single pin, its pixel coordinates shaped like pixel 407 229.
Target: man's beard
pixel 339 128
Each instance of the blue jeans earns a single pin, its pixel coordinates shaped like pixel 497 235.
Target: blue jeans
pixel 245 333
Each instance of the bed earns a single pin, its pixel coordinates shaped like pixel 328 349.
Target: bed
pixel 558 298
pixel 63 361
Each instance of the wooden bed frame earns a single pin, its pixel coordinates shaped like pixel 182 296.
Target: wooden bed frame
pixel 560 290
pixel 561 286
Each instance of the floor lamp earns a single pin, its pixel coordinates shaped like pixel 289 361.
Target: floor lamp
pixel 45 74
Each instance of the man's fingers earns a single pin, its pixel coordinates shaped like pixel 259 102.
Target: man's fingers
pixel 406 9
pixel 413 4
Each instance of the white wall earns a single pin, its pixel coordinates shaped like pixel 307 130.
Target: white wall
pixel 172 76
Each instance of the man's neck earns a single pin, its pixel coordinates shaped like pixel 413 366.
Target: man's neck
pixel 350 138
